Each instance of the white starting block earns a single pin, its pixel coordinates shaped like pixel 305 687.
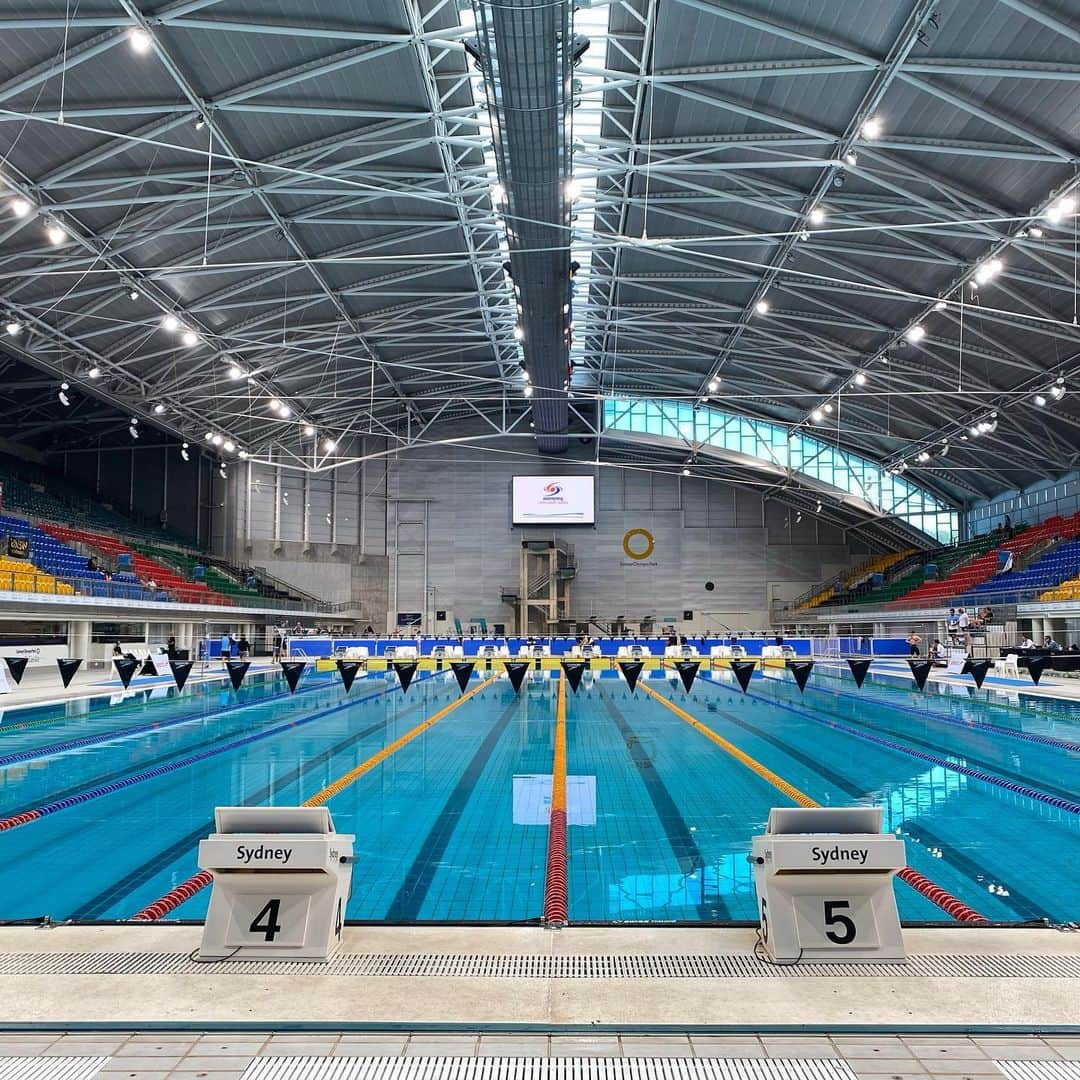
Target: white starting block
pixel 282 879
pixel 824 884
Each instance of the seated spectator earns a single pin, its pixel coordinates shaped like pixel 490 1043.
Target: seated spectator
pixel 1073 648
pixel 938 653
pixel 91 564
pixel 116 650
pixel 1050 645
pixel 1028 644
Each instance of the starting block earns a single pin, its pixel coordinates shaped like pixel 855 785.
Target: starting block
pixel 824 885
pixel 282 879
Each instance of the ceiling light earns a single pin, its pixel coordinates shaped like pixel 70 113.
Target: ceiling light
pixel 235 372
pixel 915 333
pixel 209 436
pixel 184 452
pixel 217 440
pixel 1040 400
pixel 94 372
pixel 940 305
pixel 686 472
pixel 13 327
pixel 872 127
pixel 817 216
pixel 762 307
pixel 827 406
pixel 284 412
pixel 139 40
pixel 222 472
pixel 525 375
pixel 243 455
pixel 133 432
pixel 230 446
pixel 573 189
pixel 1035 232
pixel 851 158
pixel 190 338
pixel 55 234
pixel 275 405
pixel 817 416
pixel 498 193
pixel 988 271
pixel 159 408
pixel 20 207
pixel 133 294
pixel 170 322
pixel 518 333
pixel 528 391
pixel 974 431
pixel 309 431
pixel 1064 207
pixel 1057 392
pixel 860 378
pixel 714 385
pixel 924 456
pixel 329 446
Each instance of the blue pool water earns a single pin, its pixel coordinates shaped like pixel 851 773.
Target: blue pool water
pixel 453 825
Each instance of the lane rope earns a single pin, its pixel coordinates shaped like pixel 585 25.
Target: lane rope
pixel 556 890
pixel 1055 801
pixel 35 814
pixel 197 882
pixel 967 725
pixel 950 904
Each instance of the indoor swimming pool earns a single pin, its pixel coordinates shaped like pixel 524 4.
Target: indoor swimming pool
pixel 103 801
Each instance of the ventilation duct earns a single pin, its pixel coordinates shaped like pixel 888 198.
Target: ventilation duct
pixel 526 53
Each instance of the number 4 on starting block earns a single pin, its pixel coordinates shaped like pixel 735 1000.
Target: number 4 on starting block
pixel 282 879
pixel 824 885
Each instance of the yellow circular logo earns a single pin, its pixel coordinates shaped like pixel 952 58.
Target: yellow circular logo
pixel 636 551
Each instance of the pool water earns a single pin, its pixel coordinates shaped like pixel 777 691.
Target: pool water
pixel 453 825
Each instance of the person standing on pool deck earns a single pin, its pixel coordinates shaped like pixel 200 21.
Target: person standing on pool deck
pixel 226 648
pixel 914 641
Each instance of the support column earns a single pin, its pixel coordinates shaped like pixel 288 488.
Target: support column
pixel 78 641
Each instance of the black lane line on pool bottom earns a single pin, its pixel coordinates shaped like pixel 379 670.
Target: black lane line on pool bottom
pixel 405 907
pixel 678 833
pixel 951 855
pixel 140 875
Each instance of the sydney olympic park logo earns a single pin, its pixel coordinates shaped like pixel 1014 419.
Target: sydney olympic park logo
pixel 552 494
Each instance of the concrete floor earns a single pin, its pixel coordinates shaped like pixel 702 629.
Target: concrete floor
pixel 227 997
pixel 42 685
pixel 226 1055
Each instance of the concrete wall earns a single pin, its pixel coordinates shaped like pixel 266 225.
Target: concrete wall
pixel 451 544
pixel 322 533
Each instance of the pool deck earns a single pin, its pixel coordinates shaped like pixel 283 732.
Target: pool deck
pixel 996 986
pixel 41 685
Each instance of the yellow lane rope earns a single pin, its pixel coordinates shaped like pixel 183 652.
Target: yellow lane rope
pixel 353 775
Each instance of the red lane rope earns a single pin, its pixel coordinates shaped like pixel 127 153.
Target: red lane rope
pixel 937 895
pixel 174 898
pixel 556 889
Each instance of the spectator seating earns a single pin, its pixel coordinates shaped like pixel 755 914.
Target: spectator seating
pixel 964 579
pixel 1052 568
pixel 144 569
pixel 879 564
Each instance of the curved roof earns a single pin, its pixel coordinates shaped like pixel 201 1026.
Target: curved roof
pixel 772 194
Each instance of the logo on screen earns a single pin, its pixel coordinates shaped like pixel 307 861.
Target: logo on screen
pixel 553 493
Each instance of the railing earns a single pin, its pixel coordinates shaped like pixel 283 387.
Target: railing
pixel 284 586
pixel 32 582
